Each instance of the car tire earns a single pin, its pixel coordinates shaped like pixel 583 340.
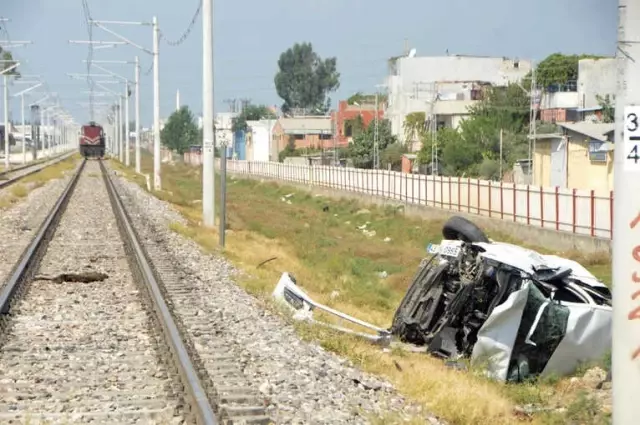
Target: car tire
pixel 462 229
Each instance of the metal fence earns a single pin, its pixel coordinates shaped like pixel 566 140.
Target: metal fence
pixel 586 212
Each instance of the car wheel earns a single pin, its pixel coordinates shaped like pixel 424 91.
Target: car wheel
pixel 462 229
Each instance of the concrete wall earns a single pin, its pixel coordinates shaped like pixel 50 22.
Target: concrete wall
pixel 596 76
pixel 581 216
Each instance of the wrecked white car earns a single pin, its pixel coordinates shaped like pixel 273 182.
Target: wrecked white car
pixel 513 311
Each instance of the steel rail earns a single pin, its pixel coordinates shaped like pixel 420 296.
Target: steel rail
pixel 44 164
pixel 32 164
pixel 30 258
pixel 200 405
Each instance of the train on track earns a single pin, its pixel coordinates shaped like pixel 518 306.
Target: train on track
pixel 92 141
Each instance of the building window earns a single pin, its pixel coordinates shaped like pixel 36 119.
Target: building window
pixel 594 154
pixel 348 129
pixel 324 136
pixel 299 136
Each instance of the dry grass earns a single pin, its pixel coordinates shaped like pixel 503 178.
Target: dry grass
pixel 22 188
pixel 327 253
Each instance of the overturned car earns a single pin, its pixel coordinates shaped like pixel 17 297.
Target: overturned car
pixel 513 311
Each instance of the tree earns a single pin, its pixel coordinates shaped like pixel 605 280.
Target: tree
pixel 363 99
pixel 559 69
pixel 414 126
pixel 289 150
pixel 608 107
pixel 304 80
pixel 8 57
pixel 474 149
pixel 361 150
pixel 251 113
pixel 180 131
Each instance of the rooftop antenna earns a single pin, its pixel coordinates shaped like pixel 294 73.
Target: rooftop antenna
pixel 406 46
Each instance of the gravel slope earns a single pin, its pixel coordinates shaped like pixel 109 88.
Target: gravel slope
pixel 298 381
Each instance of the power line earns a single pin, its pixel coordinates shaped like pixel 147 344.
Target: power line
pixel 186 32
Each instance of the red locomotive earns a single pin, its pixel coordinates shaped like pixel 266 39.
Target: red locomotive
pixel 92 141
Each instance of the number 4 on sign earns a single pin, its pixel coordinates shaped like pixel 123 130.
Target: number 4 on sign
pixel 631 137
pixel 633 155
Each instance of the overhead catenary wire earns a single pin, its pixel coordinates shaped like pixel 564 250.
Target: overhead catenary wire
pixel 186 32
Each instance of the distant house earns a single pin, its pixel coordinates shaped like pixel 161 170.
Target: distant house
pixel 579 156
pixel 258 140
pixel 346 113
pixel 579 100
pixel 313 132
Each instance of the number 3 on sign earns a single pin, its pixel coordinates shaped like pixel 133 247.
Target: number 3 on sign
pixel 631 136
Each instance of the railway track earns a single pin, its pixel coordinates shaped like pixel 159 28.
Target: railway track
pixel 13 175
pixel 86 335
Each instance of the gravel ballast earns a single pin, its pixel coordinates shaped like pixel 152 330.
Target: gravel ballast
pixel 19 222
pixel 84 351
pixel 298 381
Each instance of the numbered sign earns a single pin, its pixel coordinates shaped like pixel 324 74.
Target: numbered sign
pixel 631 135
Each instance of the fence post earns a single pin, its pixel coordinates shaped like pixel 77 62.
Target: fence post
pixel 611 214
pixel 515 201
pixel 468 194
pixel 501 200
pixel 478 195
pixel 573 202
pixel 541 206
pixel 459 190
pixel 528 205
pixel 593 212
pixel 557 208
pixel 489 190
pixel 450 193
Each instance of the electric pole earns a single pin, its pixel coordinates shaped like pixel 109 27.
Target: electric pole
pixel 157 185
pixel 626 208
pixel 376 148
pixel 137 113
pixel 208 176
pixel 533 95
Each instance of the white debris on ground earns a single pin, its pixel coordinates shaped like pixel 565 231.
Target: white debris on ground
pixel 301 382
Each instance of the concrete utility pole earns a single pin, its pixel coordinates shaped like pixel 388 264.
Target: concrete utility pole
pixel 137 113
pixel 626 232
pixel 157 184
pixel 156 87
pixel 533 114
pixel 208 176
pixel 24 139
pixel 7 153
pixel 120 138
pixel 127 159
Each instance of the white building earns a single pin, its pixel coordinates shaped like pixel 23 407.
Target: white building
pixel 259 140
pixel 444 85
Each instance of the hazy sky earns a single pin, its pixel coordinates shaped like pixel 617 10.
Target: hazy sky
pixel 250 35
